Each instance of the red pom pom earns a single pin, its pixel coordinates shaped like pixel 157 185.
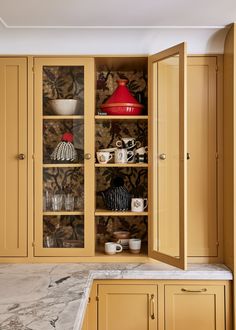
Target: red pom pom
pixel 67 137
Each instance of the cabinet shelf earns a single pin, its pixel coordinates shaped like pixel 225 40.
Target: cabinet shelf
pixel 143 117
pixel 125 253
pixel 51 213
pixel 104 212
pixel 122 165
pixel 62 165
pixel 63 117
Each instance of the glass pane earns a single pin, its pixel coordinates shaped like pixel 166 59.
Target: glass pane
pixel 63 141
pixel 63 156
pixel 63 189
pixel 168 154
pixel 63 82
pixel 63 231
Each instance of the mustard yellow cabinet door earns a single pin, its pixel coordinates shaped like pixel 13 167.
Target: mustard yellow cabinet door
pixel 64 156
pixel 202 165
pixel 127 307
pixel 195 307
pixel 13 157
pixel 168 167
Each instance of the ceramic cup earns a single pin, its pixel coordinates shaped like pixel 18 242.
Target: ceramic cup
pixel 112 248
pixel 103 157
pixel 122 237
pixel 141 158
pixel 141 151
pixel 135 245
pixel 138 204
pixel 122 156
pixel 128 143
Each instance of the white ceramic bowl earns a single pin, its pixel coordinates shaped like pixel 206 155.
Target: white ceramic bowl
pixel 64 107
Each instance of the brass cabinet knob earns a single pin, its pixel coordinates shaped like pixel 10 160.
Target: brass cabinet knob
pixel 21 156
pixel 162 156
pixel 87 156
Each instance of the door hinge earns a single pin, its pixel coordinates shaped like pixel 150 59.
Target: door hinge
pixel 33 244
pixel 217 68
pixel 33 69
pixel 217 243
pixel 89 300
pixel 97 298
pixel 217 155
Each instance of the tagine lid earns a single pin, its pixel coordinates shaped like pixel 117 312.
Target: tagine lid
pixel 121 96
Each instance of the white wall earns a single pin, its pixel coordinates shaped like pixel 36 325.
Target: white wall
pixel 108 40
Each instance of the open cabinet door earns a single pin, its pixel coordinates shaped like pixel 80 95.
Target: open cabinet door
pixel 167 159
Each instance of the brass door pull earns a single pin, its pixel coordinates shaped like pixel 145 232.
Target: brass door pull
pixel 194 291
pixel 87 156
pixel 21 156
pixel 162 156
pixel 152 307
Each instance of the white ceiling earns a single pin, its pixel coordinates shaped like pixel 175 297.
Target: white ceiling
pixel 116 13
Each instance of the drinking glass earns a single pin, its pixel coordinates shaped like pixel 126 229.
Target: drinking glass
pixel 69 202
pixel 57 201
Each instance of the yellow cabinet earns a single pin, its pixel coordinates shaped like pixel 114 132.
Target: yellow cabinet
pixel 127 307
pixel 194 307
pixel 13 159
pixel 159 304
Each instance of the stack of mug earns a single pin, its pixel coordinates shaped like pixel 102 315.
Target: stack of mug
pixel 113 248
pixel 127 150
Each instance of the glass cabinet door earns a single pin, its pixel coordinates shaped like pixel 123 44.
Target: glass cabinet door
pixel 64 157
pixel 167 175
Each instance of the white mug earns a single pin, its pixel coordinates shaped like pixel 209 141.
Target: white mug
pixel 141 151
pixel 128 143
pixel 103 157
pixel 122 156
pixel 135 245
pixel 112 248
pixel 138 204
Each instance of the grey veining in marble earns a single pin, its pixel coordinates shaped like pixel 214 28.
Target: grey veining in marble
pixel 54 296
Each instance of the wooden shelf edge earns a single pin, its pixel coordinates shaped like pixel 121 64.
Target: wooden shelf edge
pixel 122 165
pixel 62 165
pixel 51 213
pixel 100 212
pixel 142 117
pixel 55 117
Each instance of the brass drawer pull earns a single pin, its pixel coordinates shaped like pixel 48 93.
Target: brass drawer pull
pixel 152 307
pixel 194 291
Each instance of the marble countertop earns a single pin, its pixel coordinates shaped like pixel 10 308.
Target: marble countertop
pixel 54 296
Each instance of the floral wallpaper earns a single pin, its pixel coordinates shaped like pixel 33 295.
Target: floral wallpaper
pixel 63 82
pixel 61 228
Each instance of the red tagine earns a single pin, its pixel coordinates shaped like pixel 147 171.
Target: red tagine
pixel 122 102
